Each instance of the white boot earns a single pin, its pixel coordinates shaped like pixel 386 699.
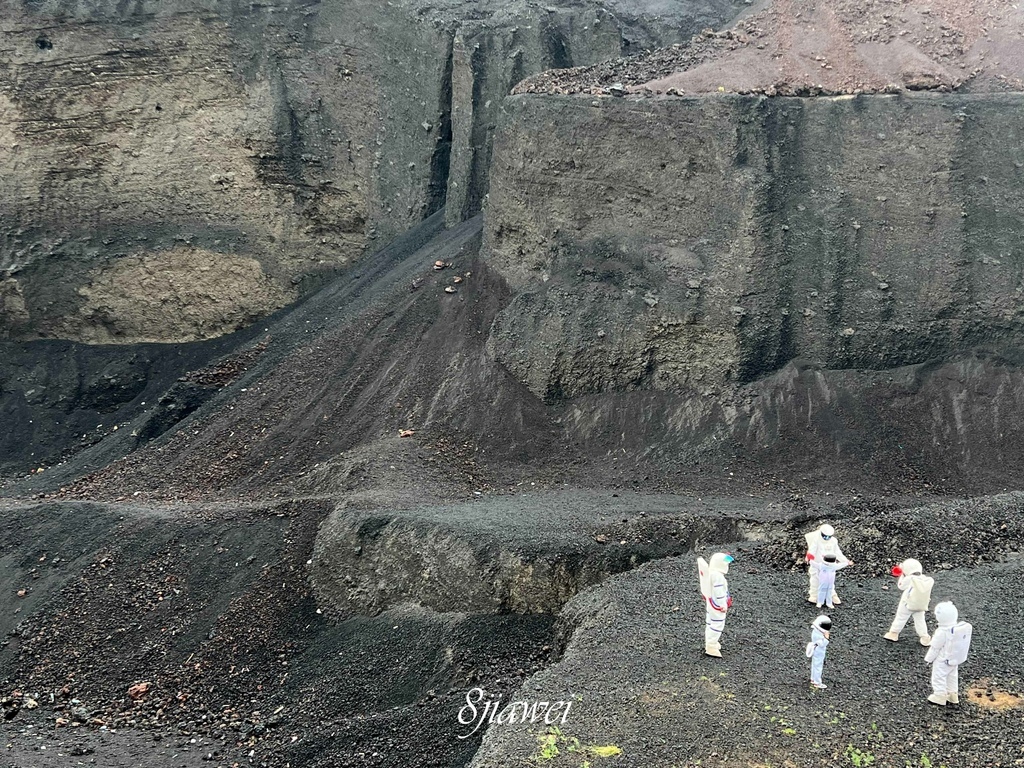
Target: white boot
pixel 937 698
pixel 713 650
pixel 953 698
pixel 925 640
pixel 894 636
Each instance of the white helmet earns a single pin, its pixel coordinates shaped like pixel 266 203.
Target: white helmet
pixel 827 530
pixel 824 623
pixel 720 562
pixel 911 567
pixel 946 614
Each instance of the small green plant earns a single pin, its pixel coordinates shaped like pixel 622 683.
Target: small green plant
pixel 548 744
pixel 859 758
pixel 925 762
pixel 554 742
pixel 789 731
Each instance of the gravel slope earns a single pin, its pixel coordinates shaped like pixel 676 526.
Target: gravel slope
pixel 810 47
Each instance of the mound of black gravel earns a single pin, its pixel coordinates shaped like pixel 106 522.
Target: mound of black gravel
pixel 878 534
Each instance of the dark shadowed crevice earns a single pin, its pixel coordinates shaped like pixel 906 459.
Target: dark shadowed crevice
pixel 777 159
pixel 770 343
pixel 480 133
pixel 291 147
pixel 284 166
pixel 440 160
pixel 555 43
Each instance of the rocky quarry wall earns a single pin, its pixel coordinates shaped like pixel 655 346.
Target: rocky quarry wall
pixel 690 244
pixel 174 170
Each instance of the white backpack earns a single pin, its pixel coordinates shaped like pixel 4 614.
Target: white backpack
pixel 959 643
pixel 920 593
pixel 704 576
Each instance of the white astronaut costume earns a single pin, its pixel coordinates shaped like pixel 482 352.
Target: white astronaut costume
pixel 827 580
pixel 948 650
pixel 822 542
pixel 715 590
pixel 917 593
pixel 816 649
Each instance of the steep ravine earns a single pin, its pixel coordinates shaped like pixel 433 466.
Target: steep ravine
pixel 209 609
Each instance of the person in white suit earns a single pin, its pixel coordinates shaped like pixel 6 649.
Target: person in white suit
pixel 827 580
pixel 948 650
pixel 821 629
pixel 821 542
pixel 715 590
pixel 917 593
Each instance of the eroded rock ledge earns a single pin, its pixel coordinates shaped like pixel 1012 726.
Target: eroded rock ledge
pixel 515 554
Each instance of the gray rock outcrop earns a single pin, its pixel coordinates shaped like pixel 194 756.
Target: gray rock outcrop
pixel 175 170
pixel 689 244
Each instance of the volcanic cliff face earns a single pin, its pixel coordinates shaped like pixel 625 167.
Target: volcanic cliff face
pixel 175 170
pixel 172 177
pixel 692 243
pixel 680 270
pixel 680 324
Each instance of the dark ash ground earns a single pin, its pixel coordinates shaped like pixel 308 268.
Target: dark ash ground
pixel 194 548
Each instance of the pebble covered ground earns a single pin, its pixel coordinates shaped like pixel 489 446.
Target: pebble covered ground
pixel 189 634
pixel 636 670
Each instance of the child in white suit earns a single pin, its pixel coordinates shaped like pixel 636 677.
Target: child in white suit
pixel 820 631
pixel 948 650
pixel 827 580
